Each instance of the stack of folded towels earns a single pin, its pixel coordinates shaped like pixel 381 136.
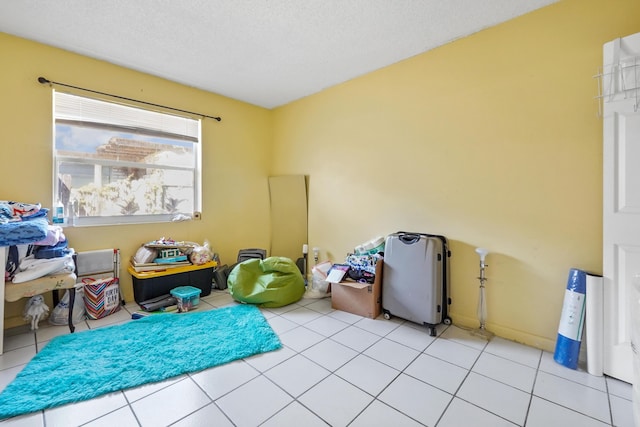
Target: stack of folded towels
pixel 45 257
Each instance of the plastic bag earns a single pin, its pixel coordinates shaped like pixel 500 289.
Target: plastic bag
pixel 201 254
pixel 319 276
pixel 60 314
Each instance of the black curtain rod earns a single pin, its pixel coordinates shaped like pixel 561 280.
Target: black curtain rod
pixel 43 81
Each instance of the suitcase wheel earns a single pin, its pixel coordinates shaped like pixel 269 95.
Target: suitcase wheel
pixel 432 331
pixel 387 314
pixel 447 321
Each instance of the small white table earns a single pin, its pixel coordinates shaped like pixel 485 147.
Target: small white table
pixel 11 292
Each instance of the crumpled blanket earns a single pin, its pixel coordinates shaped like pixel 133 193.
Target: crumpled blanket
pixel 55 235
pixel 55 251
pixel 21 232
pixel 17 211
pixel 22 223
pixel 363 262
pixel 32 268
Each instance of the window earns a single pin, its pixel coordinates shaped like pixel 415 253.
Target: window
pixel 118 164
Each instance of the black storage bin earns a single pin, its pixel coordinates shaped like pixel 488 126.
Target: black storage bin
pixel 151 284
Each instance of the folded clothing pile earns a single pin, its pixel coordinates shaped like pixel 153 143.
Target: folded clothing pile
pixel 46 257
pixel 58 250
pixel 11 211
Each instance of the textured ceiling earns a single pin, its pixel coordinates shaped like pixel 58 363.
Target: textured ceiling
pixel 264 52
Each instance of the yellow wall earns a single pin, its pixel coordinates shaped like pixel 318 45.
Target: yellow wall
pixel 236 152
pixel 492 140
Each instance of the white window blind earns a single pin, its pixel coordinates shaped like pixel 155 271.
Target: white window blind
pixel 74 108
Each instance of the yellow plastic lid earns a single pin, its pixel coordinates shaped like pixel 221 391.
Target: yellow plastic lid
pixel 168 271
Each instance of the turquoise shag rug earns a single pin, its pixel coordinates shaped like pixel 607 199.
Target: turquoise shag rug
pixel 91 363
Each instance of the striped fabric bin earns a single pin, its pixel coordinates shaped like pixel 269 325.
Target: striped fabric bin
pixel 101 297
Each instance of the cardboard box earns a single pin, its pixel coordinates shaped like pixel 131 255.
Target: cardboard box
pixel 364 299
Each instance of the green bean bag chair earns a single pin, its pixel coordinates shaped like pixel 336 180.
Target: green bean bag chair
pixel 270 282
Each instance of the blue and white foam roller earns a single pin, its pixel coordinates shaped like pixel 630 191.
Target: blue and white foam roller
pixel 572 320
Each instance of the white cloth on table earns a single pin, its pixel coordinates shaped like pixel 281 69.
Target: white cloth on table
pixel 32 268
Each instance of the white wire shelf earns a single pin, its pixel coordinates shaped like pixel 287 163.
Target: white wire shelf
pixel 619 82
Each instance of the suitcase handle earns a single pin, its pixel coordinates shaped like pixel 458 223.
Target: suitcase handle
pixel 408 235
pixel 409 239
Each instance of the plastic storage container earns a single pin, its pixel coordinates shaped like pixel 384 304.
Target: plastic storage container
pixel 187 297
pixel 152 284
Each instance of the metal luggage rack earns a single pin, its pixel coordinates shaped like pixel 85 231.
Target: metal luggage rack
pixel 619 81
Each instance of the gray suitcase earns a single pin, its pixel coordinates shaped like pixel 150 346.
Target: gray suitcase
pixel 415 283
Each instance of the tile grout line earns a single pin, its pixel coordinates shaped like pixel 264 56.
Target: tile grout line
pixel 533 387
pixel 469 371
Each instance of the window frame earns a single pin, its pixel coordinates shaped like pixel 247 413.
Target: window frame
pixel 123 219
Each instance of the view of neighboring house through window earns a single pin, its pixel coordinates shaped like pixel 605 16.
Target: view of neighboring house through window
pixel 117 163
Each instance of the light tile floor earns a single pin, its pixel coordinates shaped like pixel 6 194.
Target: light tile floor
pixel 339 369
